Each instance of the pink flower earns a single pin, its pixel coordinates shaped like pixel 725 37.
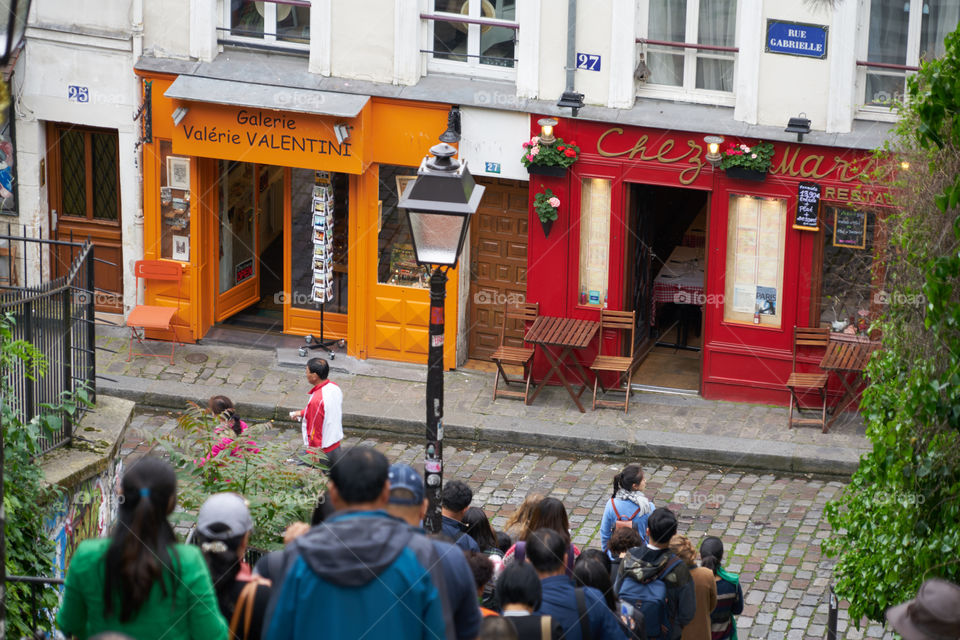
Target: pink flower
pixel 744 147
pixel 554 202
pixel 535 140
pixel 526 144
pixel 753 155
pixel 529 157
pixel 535 150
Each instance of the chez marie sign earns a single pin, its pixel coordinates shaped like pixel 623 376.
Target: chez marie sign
pixel 268 137
pixel 687 155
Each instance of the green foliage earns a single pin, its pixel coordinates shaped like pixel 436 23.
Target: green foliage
pixel 279 492
pixel 896 523
pixel 756 158
pixel 546 205
pixel 557 154
pixel 29 551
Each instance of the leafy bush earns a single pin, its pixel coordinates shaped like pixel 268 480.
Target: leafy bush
pixel 279 492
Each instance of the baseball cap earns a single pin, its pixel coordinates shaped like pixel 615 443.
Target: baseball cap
pixel 934 613
pixel 223 516
pixel 403 476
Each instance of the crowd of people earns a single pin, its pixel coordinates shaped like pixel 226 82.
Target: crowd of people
pixel 365 568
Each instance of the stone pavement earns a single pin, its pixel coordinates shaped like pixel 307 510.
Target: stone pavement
pixel 771 525
pixel 389 397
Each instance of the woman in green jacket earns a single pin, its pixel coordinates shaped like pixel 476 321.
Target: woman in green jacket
pixel 140 581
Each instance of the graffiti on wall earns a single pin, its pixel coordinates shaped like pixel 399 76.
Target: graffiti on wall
pixel 85 512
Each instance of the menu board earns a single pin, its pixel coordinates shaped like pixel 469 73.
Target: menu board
pixel 808 207
pixel 322 212
pixel 849 228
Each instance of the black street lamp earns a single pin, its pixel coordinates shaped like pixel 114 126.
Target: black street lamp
pixel 439 205
pixel 13 22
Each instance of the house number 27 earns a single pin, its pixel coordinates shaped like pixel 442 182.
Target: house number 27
pixel 588 62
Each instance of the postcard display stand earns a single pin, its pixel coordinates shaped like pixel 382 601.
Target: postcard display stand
pixel 322 255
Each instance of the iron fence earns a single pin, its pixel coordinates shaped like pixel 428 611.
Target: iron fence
pixel 56 316
pixel 41 620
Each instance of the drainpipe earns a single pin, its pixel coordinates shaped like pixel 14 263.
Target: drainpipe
pixel 135 243
pixel 570 97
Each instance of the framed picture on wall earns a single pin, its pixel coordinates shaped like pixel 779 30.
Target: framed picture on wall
pixel 181 248
pixel 178 172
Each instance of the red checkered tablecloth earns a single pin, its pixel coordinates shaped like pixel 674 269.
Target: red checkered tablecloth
pixel 680 281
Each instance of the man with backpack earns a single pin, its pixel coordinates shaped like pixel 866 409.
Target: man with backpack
pixel 655 580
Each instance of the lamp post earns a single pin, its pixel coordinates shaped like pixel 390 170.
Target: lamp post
pixel 13 22
pixel 439 204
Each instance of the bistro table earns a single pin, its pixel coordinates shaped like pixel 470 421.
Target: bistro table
pixel 846 356
pixel 696 233
pixel 565 334
pixel 680 281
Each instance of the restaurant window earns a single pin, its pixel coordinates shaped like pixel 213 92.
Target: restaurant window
pixel 707 22
pixel 845 262
pixel 901 32
pixel 312 272
pixel 460 47
pixel 594 242
pixel 281 23
pixel 174 204
pixel 397 262
pixel 756 231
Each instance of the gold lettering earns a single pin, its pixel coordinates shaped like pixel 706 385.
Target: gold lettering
pixel 830 193
pixel 693 154
pixel 856 196
pixel 691 173
pixel 843 194
pixel 813 172
pixel 787 164
pixel 665 147
pixel 610 154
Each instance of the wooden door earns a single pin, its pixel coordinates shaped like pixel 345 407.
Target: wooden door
pixel 238 235
pixel 85 203
pixel 639 277
pixel 498 269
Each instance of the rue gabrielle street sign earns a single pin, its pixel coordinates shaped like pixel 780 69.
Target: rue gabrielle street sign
pixel 796 39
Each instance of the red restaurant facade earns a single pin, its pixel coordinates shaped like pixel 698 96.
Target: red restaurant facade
pixel 632 187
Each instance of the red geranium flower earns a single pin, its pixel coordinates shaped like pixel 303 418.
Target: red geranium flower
pixel 570 153
pixel 560 147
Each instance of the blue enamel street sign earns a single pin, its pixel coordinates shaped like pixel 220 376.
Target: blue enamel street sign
pixel 796 39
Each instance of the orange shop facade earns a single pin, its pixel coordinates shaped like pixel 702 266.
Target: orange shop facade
pixel 282 218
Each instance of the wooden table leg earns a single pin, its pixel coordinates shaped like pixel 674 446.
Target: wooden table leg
pixel 849 395
pixel 557 366
pixel 546 378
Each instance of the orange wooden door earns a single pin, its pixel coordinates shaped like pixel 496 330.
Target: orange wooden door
pixel 498 269
pixel 85 203
pixel 238 276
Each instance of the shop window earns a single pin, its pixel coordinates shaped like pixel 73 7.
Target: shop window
pixel 313 211
pixel 238 248
pixel 899 34
pixel 397 263
pixel 845 263
pixel 283 23
pixel 174 204
pixel 88 174
pixel 460 47
pixel 669 24
pixel 8 172
pixel 594 242
pixel 756 231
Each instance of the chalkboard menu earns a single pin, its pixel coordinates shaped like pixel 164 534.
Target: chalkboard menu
pixel 850 228
pixel 808 207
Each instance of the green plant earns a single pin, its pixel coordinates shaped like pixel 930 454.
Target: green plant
pixel 558 154
pixel 29 551
pixel 756 158
pixel 896 523
pixel 279 492
pixel 546 205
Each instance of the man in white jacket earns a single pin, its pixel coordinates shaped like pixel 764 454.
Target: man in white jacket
pixel 321 421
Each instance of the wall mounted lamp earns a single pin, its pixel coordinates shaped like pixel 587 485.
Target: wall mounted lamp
pixel 179 114
pixel 905 165
pixel 452 134
pixel 546 130
pixel 713 149
pixel 799 125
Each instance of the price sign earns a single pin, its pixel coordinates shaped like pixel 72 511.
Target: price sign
pixel 850 229
pixel 808 207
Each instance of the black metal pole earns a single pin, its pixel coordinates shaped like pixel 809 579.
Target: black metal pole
pixel 433 464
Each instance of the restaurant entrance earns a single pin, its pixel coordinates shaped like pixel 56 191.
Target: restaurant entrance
pixel 665 266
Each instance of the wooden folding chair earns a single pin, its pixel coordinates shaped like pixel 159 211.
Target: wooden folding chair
pixel 517 356
pixel 8 265
pixel 144 316
pixel 807 382
pixel 623 366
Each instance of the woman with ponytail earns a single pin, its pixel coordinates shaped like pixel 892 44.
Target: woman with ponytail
pixel 729 593
pixel 140 581
pixel 230 427
pixel 627 506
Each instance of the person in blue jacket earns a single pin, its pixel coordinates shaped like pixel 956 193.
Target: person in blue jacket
pixel 361 573
pixel 627 504
pixel 582 612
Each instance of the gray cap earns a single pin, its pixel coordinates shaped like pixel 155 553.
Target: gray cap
pixel 224 516
pixel 403 476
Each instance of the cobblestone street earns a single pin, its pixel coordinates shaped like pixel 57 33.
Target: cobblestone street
pixel 772 526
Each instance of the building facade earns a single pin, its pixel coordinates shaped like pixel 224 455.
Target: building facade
pixel 244 108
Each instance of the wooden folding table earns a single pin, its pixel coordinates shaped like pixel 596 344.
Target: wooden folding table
pixel 847 356
pixel 565 334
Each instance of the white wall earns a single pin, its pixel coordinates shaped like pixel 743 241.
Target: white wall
pixel 362 40
pixel 594 18
pixel 553 49
pixel 793 84
pixel 493 136
pixel 102 16
pixel 166 28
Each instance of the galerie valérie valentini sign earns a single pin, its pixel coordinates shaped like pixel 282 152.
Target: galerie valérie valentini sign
pixel 265 136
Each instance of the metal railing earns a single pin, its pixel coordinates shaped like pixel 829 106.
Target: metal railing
pixel 56 316
pixel 38 584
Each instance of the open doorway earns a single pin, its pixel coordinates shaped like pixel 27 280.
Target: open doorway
pixel 666 264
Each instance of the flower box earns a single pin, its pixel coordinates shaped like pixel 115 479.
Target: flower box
pixel 742 173
pixel 544 170
pixel 547 225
